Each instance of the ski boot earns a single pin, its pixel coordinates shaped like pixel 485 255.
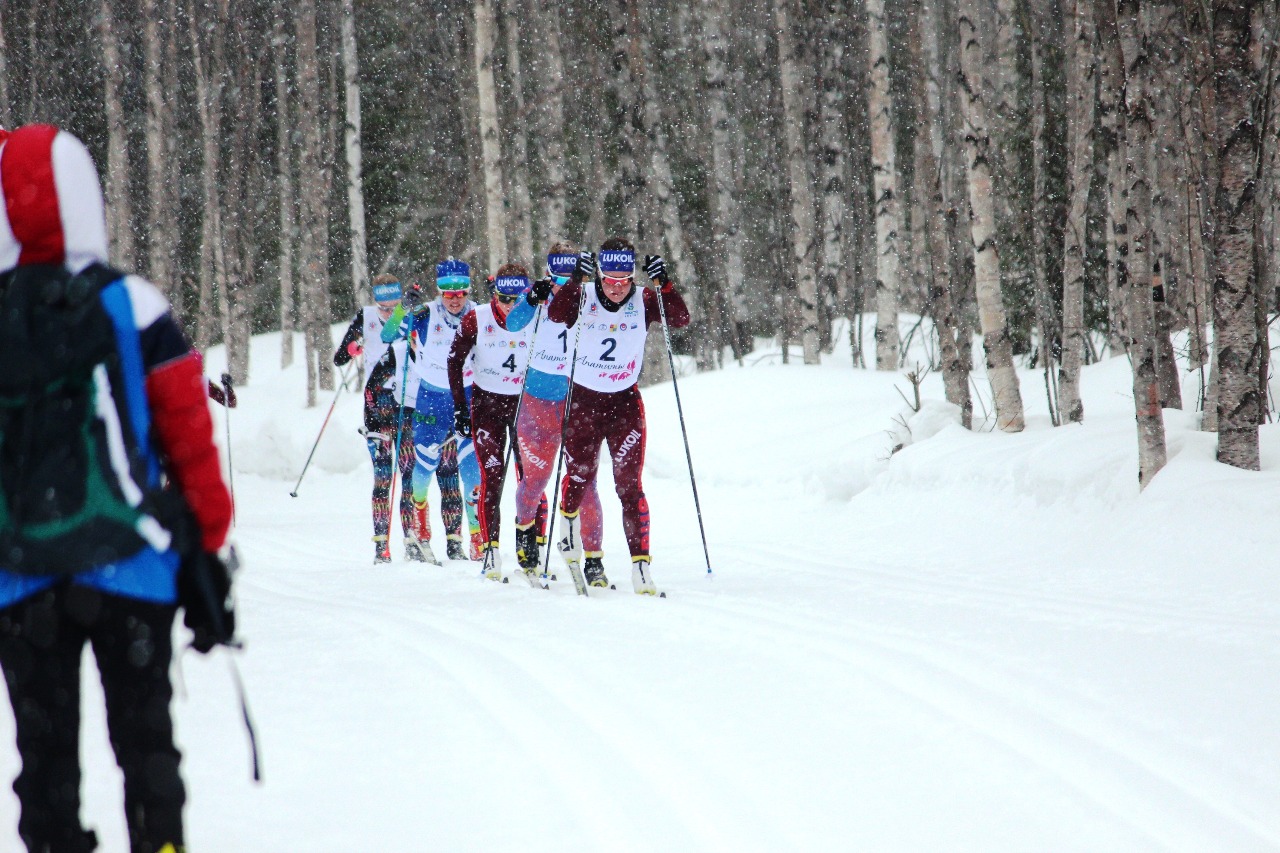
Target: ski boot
pixel 419 551
pixel 570 545
pixel 477 546
pixel 641 579
pixel 527 552
pixel 453 550
pixel 381 550
pixel 492 563
pixel 593 572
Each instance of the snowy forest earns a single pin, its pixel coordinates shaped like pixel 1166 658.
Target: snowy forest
pixel 1063 180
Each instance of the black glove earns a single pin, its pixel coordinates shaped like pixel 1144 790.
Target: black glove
pixel 462 423
pixel 540 292
pixel 412 298
pixel 228 392
pixel 586 270
pixel 204 594
pixel 656 268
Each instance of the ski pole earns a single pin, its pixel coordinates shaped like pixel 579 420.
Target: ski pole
pixel 671 359
pixel 579 583
pixel 231 471
pixel 345 379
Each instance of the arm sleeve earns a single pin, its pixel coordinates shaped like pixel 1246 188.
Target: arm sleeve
pixel 355 332
pixel 520 315
pixel 564 305
pixel 672 302
pixel 184 432
pixel 463 343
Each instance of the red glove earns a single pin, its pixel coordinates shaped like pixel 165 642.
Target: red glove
pixel 354 349
pixel 180 416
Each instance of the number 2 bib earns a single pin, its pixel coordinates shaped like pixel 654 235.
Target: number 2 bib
pixel 611 343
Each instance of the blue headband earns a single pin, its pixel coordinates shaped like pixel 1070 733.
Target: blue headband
pixel 388 292
pixel 511 285
pixel 562 264
pixel 617 260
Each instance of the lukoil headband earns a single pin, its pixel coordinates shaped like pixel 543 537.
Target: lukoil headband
pixel 618 260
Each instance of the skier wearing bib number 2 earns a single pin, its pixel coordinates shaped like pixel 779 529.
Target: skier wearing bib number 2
pixel 501 356
pixel 605 403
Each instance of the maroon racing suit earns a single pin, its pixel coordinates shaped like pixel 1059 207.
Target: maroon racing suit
pixel 500 360
pixel 615 417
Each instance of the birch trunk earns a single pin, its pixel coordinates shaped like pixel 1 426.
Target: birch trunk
pixel 1082 83
pixel 1040 205
pixel 119 210
pixel 162 218
pixel 1131 22
pixel 284 187
pixel 1236 341
pixel 354 148
pixel 208 106
pixel 986 256
pixel 313 209
pixel 550 143
pixel 1111 143
pixel 491 153
pixel 804 252
pixel 726 226
pixel 832 145
pixel 955 371
pixel 888 210
pixel 521 205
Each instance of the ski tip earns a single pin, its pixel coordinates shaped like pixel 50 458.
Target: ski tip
pixel 505 580
pixel 611 586
pixel 662 595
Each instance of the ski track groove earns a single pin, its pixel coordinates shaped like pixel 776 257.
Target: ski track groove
pixel 497 698
pixel 917 673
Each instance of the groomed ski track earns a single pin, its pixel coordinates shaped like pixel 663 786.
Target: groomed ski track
pixel 981 643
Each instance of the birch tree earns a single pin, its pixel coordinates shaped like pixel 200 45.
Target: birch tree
pixel 354 151
pixel 284 184
pixel 726 227
pixel 549 144
pixel 888 209
pixel 162 211
pixel 1131 23
pixel 1236 342
pixel 1081 70
pixel 986 256
pixel 790 61
pixel 521 223
pixel 490 146
pixel 831 151
pixel 119 208
pixel 313 211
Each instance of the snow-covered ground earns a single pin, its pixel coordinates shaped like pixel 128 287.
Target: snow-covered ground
pixel 983 642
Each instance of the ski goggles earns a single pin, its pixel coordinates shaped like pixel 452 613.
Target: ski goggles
pixel 617 278
pixel 453 283
pixel 617 263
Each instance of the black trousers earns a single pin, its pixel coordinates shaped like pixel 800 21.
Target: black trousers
pixel 41 644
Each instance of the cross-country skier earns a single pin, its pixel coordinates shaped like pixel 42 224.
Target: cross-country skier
pixel 605 399
pixel 385 401
pixel 500 357
pixel 104 572
pixel 541 418
pixel 434 330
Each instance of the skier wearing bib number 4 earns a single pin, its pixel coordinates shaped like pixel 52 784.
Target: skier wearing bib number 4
pixel 605 404
pixel 501 356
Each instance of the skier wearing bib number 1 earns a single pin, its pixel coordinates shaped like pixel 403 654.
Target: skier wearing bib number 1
pixel 541 420
pixel 501 356
pixel 605 403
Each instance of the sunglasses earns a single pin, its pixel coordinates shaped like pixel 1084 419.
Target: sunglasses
pixel 507 298
pixel 618 279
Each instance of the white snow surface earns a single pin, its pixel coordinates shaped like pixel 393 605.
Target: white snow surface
pixel 981 642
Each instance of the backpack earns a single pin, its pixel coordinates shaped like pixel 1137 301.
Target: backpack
pixel 78 488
